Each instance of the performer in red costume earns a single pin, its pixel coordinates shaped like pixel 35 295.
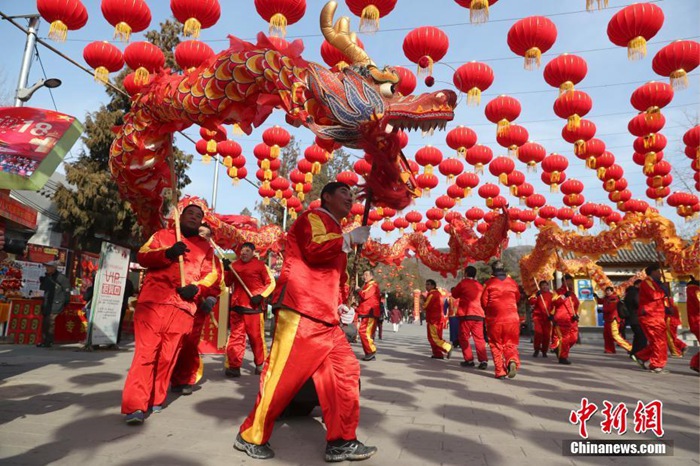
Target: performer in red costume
pixel 435 322
pixel 165 310
pixel 676 346
pixel 247 315
pixel 368 312
pixel 692 292
pixel 565 319
pixel 611 319
pixel 500 302
pixel 542 307
pixel 654 306
pixel 470 315
pixel 308 342
pixel 186 372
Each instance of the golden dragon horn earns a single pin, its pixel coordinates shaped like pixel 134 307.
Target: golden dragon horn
pixel 340 37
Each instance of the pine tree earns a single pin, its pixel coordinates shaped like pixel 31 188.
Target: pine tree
pixel 91 208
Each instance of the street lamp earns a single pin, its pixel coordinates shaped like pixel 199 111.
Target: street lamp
pixel 25 93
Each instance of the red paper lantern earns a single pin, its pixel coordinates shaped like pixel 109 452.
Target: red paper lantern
pixel 427 181
pixel 528 216
pixel 144 58
pixel 482 227
pixel 403 138
pixel 612 219
pixel 531 153
pixel 523 191
pixel 488 192
pixel 590 148
pixel 515 137
pixel 461 139
pixel 451 167
pixel 192 53
pixel 554 163
pixel 348 177
pixel 424 46
pixel 280 13
pixel 478 156
pixel 445 202
pixel 414 217
pixel 564 214
pixel 195 15
pixel 500 167
pixel 434 214
pixel 334 57
pixel 455 192
pixel 474 214
pixel 535 201
pixel 362 167
pixel 513 180
pixel 548 212
pixel 574 200
pixel 370 11
pixel 552 179
pixel 601 162
pixel 531 37
pixel 571 186
pixel 502 110
pixel 467 181
pixel 428 157
pixel 317 156
pixel 589 209
pixel 676 60
pixel 658 194
pixel 565 71
pixel 691 138
pixel 578 136
pixel 643 146
pixel 401 223
pixel 572 106
pixel 651 97
pixel 478 9
pixel 130 85
pixel 278 137
pixel 64 15
pixel 407 81
pixel 104 58
pixel 657 182
pixel 641 126
pixel 633 26
pixel 473 78
pixel 229 150
pixel 127 17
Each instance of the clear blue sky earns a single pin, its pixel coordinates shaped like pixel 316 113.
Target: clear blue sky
pixel 610 81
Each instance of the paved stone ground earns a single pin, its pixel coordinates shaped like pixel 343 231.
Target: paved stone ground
pixel 61 406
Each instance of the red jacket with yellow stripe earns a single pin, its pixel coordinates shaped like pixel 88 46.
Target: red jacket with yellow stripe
pixel 370 296
pixel 257 278
pixel 433 307
pixel 313 272
pixel 163 274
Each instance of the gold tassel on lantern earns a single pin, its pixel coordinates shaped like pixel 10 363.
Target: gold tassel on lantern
pixel 278 25
pixel 141 77
pixel 652 114
pixel 206 159
pixel 580 147
pixel 275 151
pixel 266 201
pixel 101 74
pixel 610 184
pixel 637 48
pixel 301 196
pixel 649 140
pixel 513 189
pixel 58 31
pixel 426 192
pixel 467 192
pixel 192 27
pixel 657 181
pixel 232 172
pixel 122 32
pixel 266 184
pixel 308 177
pixel 502 127
pixel 278 194
pixel 649 166
pixel 211 146
pixel 503 179
pixel 228 161
pixel 265 164
pixel 462 152
pixel 554 188
pixel 369 20
pixel 591 163
pixel 428 169
pixel 601 173
pixel 489 202
pixel 479 168
pixel 565 87
pixel 267 174
pixel 573 122
pixel 513 151
pixel 316 168
pixel 533 58
pixel 679 80
pixel 659 201
pixel 473 97
pixel 479 11
pixel 428 69
pixel 293 214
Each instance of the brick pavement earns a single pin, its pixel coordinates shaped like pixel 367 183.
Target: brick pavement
pixel 60 406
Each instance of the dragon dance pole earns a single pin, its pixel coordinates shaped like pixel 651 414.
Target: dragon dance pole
pixel 176 215
pixel 358 248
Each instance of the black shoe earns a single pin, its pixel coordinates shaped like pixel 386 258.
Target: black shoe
pixel 233 372
pixel 536 353
pixel 437 357
pixel 564 361
pixel 348 450
pixel 184 389
pixel 512 369
pixel 258 369
pixel 544 354
pixel 501 377
pixel 370 357
pixel 449 353
pixel 259 452
pixel 467 363
pixel 483 365
pixel 639 362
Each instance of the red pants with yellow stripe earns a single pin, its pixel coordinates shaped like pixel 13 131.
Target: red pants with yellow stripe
pixel 252 325
pixel 656 351
pixel 564 337
pixel 367 327
pixel 611 336
pixel 303 348
pixel 503 341
pixel 675 345
pixel 188 361
pixel 439 346
pixel 694 325
pixel 543 332
pixel 159 330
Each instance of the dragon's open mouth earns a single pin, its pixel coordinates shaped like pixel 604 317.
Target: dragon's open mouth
pixel 427 113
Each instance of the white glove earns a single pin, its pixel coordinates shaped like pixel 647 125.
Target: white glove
pixel 357 236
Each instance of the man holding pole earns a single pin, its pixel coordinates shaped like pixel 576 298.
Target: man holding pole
pixel 368 312
pixel 179 270
pixel 308 342
pixel 541 309
pixel 252 282
pixel 565 319
pixel 654 306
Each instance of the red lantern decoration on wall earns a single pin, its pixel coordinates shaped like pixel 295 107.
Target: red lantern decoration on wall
pixel 370 11
pixel 478 156
pixel 531 37
pixel 478 9
pixel 502 110
pixel 104 58
pixel 500 167
pixel 651 97
pixel 334 58
pixel 63 15
pixel 461 139
pixel 144 58
pixel 407 80
pixel 195 15
pixel 572 106
pixel 633 26
pixel 425 46
pixel 280 13
pixel 190 54
pixel 676 60
pixel 127 17
pixel 473 78
pixel 531 153
pixel 428 157
pixel 565 71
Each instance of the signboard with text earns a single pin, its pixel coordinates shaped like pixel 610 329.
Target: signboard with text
pixel 33 142
pixel 108 294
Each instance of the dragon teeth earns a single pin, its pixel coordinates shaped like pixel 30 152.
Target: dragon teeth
pixel 389 128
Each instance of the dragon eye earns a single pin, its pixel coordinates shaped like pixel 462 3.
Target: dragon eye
pixel 386 89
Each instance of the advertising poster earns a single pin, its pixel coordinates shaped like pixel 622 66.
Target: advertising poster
pixel 108 294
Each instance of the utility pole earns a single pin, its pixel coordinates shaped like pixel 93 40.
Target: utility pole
pixel 27 58
pixel 216 184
